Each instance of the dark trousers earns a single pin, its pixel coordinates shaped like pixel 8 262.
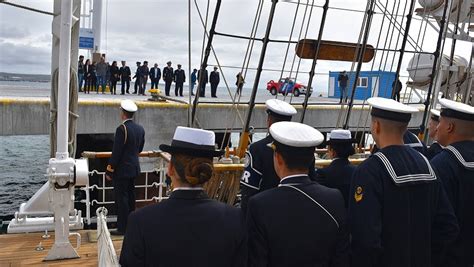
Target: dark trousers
pixel 343 94
pixel 239 88
pixel 178 89
pixel 137 85
pixel 113 87
pixel 125 82
pixel 124 192
pixel 167 87
pixel 202 90
pixel 396 96
pixel 154 83
pixel 143 81
pixel 214 89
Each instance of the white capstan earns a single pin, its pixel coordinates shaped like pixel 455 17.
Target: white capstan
pixel 280 107
pixel 296 134
pixel 128 105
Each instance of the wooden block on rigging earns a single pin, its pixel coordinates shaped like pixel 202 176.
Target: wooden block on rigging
pixel 330 50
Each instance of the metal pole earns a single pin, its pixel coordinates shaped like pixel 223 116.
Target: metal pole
pixel 453 47
pixel 189 62
pixel 433 70
pixel 97 24
pixel 404 42
pixel 360 56
pixel 63 80
pixel 204 60
pixel 244 138
pixel 315 59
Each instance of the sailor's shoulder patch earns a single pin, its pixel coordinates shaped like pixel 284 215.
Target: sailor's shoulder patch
pixel 359 194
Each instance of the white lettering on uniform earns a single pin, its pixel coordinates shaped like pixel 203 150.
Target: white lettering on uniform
pixel 245 177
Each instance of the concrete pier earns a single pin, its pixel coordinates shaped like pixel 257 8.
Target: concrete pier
pixel 31 116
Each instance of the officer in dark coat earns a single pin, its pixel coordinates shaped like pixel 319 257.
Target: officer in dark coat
pixel 202 81
pixel 435 147
pixel 179 79
pixel 155 76
pixel 168 75
pixel 339 173
pixel 455 167
pixel 125 75
pixel 188 229
pixel 124 166
pixel 259 174
pixel 298 223
pixel 137 77
pixel 214 79
pixel 398 210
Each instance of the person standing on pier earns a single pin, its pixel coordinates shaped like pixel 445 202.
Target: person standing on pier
pixel 214 79
pixel 455 167
pixel 143 71
pixel 399 213
pixel 179 79
pixel 193 80
pixel 101 71
pixel 203 79
pixel 240 82
pixel 137 78
pixel 155 76
pixel 114 77
pixel 342 79
pixel 396 89
pixel 168 75
pixel 125 75
pixel 80 72
pixel 124 165
pixel 199 231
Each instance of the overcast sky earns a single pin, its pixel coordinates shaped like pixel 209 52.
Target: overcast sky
pixel 157 31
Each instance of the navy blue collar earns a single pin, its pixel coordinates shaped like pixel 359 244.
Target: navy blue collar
pixel 188 194
pixel 292 180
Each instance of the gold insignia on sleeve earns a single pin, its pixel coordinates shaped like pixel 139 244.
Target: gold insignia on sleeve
pixel 358 194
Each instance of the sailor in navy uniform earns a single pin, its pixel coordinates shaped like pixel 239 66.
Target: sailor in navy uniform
pixel 188 229
pixel 455 167
pixel 123 166
pixel 410 139
pixel 339 173
pixel 259 174
pixel 300 222
pixel 435 147
pixel 399 213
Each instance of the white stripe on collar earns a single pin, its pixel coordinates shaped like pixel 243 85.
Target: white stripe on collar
pixel 431 176
pixel 129 119
pixel 188 188
pixel 292 176
pixel 459 157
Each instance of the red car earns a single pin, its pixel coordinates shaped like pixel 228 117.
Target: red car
pixel 295 88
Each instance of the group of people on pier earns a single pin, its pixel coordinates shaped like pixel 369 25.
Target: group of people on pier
pixel 404 205
pixel 94 76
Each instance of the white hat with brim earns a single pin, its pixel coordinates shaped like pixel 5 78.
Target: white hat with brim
pixel 279 108
pixel 340 136
pixel 457 110
pixel 435 114
pixel 295 134
pixel 390 109
pixel 128 105
pixel 193 142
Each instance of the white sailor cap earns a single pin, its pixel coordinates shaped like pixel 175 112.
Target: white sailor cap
pixel 128 105
pixel 295 134
pixel 390 109
pixel 340 136
pixel 280 108
pixel 435 114
pixel 194 142
pixel 457 110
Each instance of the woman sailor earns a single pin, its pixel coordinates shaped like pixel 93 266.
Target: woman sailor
pixel 188 229
pixel 338 174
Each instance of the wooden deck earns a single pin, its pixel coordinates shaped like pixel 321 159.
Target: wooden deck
pixel 19 250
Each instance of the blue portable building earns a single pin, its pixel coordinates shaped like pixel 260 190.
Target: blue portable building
pixel 370 83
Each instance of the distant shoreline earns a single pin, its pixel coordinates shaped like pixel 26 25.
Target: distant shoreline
pixel 18 77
